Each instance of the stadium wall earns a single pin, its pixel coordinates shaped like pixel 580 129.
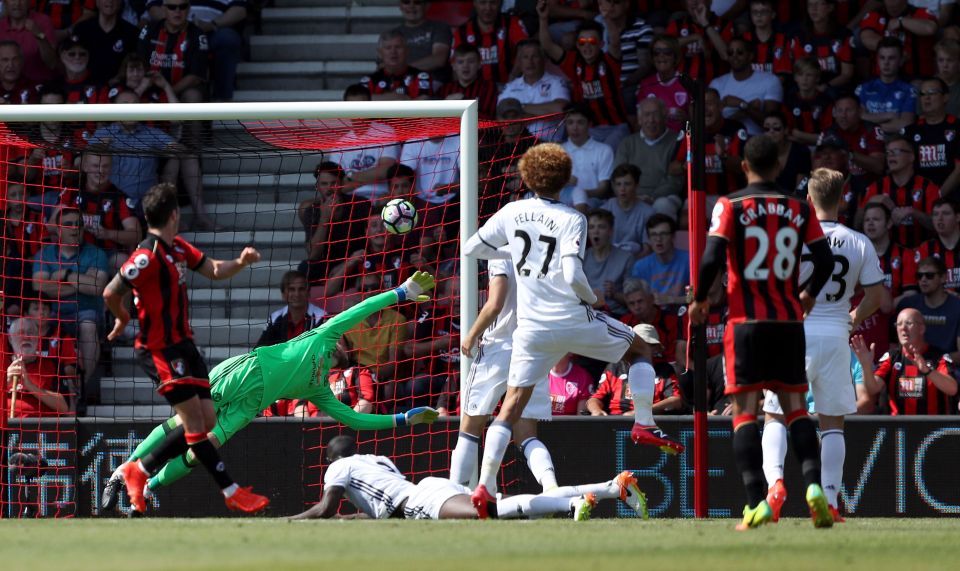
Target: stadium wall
pixel 904 467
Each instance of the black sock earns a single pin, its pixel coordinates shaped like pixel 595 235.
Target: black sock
pixel 173 444
pixel 749 455
pixel 807 448
pixel 207 454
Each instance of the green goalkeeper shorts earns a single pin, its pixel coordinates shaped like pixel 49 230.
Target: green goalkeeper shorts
pixel 237 391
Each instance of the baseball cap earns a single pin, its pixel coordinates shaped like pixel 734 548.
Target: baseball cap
pixel 831 141
pixel 71 42
pixel 648 333
pixel 509 105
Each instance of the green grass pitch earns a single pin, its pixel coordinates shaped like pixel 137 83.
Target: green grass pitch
pixel 275 544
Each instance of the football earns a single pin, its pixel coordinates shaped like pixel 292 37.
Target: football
pixel 399 216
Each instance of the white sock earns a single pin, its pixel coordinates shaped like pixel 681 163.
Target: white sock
pixel 495 446
pixel 230 490
pixel 540 462
pixel 605 491
pixel 833 450
pixel 642 379
pixel 531 506
pixel 463 459
pixel 774 442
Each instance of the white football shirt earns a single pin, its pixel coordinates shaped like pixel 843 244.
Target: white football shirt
pixel 854 261
pixel 372 483
pixel 502 328
pixel 540 232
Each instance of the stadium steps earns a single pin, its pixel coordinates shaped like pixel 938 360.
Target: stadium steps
pixel 288 162
pixel 333 3
pixel 255 215
pixel 288 96
pixel 309 47
pixel 329 20
pixel 302 75
pixel 126 391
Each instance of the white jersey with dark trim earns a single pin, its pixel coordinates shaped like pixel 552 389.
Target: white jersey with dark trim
pixel 540 232
pixel 372 483
pixel 501 330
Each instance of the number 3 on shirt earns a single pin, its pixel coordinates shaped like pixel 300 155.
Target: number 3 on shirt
pixel 551 243
pixel 785 242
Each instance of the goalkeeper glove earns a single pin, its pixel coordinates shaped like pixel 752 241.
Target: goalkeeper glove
pixel 415 287
pixel 419 415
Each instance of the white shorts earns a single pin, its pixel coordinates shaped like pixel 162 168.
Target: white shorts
pixel 828 372
pixel 487 384
pixel 429 495
pixel 535 352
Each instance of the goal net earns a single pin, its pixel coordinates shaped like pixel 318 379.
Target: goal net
pixel 304 184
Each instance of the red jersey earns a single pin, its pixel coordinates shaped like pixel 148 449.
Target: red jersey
pixel 497 47
pixel 106 209
pixel 918 193
pixel 174 54
pixel 412 82
pixel 831 51
pixel 483 91
pixel 614 388
pixel 937 249
pixel 917 50
pixel 348 385
pixel 716 324
pixel 698 62
pixel 807 115
pixel 728 141
pixel 63 13
pixel 773 55
pixel 22 93
pixel 864 140
pixel 908 391
pixel 667 325
pixel 45 373
pixel 894 263
pixel 83 91
pixel 765 232
pixel 157 272
pixel 58 166
pixel 597 85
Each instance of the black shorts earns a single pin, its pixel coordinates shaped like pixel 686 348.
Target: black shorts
pixel 178 371
pixel 765 355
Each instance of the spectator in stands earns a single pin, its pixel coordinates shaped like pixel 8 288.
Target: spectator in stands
pixel 467 83
pixel 75 273
pixel 894 258
pixel 35 385
pixel 14 88
pixel 589 182
pixel 915 375
pixel 703 37
pixel 436 164
pixel 651 150
pixel 865 148
pixel 940 310
pixel 79 87
pixel 378 261
pixel 794 157
pixel 36 37
pixel 377 341
pixel 948 69
pixel 64 15
pixel 807 109
pixel 334 222
pixel 886 100
pixel 297 316
pixel 108 37
pixel 496 35
pixel 945 245
pixel 178 50
pixel 630 211
pixel 151 87
pixel 433 347
pixel 570 387
pixel 395 79
pixel 52 164
pixel 365 165
pixel 664 84
pixel 668 269
pixel 718 403
pixel 500 151
pixel 746 94
pixel 769 43
pixel 22 232
pixel 621 22
pixel 912 195
pixel 914 27
pixel 613 397
pixel 935 137
pixel 715 326
pixel 604 264
pixel 640 300
pixel 831 153
pixel 538 91
pixel 594 77
pixel 428 41
pixel 829 42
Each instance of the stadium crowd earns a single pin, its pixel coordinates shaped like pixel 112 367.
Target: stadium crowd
pixel 869 88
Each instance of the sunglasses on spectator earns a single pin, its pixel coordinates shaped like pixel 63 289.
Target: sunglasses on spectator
pixel 174 7
pixel 588 40
pixel 926 275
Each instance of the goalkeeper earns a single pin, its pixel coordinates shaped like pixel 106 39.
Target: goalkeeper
pixel 244 385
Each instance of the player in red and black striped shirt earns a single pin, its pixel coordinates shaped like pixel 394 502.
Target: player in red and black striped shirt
pixel 496 35
pixel 467 84
pixel 945 245
pixel 156 273
pixel 703 38
pixel 828 41
pixel 913 196
pixel 916 375
pixel 761 233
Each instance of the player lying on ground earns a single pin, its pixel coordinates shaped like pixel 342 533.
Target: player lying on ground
pixel 379 490
pixel 244 385
pixel 547 241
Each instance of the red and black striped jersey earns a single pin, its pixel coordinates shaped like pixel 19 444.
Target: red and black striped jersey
pixel 696 59
pixel 765 232
pixel 846 11
pixel 58 166
pixel 597 85
pixel 667 324
pixel 728 141
pixel 63 13
pixel 917 50
pixel 918 193
pixel 84 91
pixel 895 263
pixel 22 93
pixel 937 249
pixel 484 92
pixel 864 140
pixel 174 54
pixel 157 272
pixel 937 147
pixel 773 55
pixel 830 50
pixel 908 391
pixel 412 82
pixel 614 387
pixel 106 209
pixel 807 115
pixel 716 324
pixel 497 47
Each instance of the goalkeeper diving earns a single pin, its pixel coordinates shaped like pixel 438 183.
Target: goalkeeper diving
pixel 244 385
